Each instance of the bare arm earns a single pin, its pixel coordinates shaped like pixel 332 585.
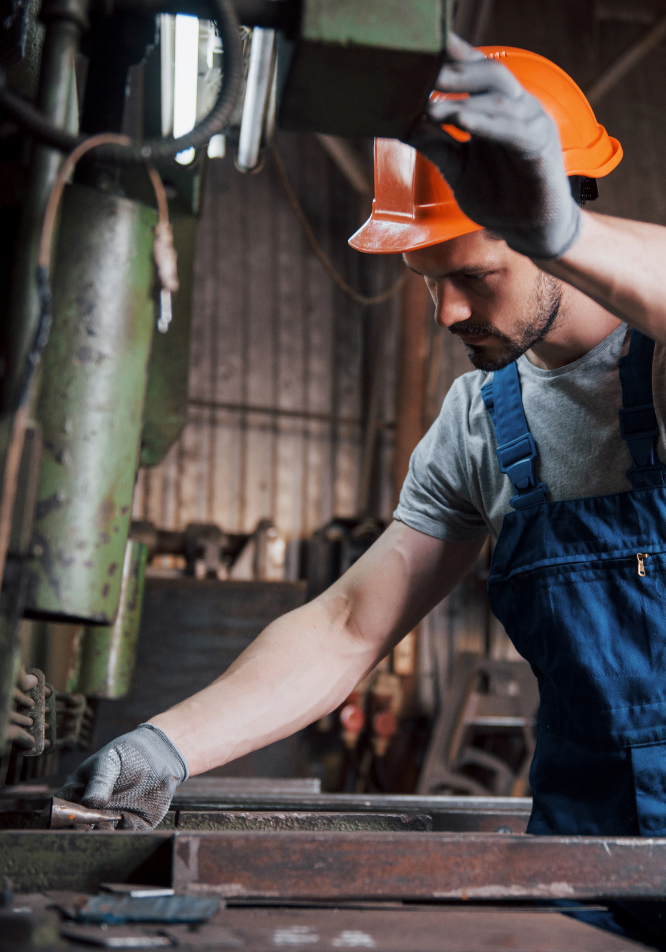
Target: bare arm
pixel 305 664
pixel 621 265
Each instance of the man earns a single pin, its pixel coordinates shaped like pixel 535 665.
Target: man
pixel 576 577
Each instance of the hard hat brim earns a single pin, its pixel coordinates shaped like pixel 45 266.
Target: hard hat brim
pixel 381 237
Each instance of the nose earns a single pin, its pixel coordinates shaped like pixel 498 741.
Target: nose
pixel 451 304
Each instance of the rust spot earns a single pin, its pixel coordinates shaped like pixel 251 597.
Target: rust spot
pixel 112 568
pixel 105 513
pixel 124 510
pixel 104 538
pixel 106 588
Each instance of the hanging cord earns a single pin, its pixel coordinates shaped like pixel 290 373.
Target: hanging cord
pixel 163 250
pixel 165 259
pixel 325 261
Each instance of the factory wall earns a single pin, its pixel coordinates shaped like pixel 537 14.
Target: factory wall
pixel 584 38
pixel 278 382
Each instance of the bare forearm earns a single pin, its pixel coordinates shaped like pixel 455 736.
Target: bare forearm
pixel 620 265
pixel 300 668
pixel 306 663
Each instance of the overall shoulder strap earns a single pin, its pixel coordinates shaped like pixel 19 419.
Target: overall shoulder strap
pixel 517 452
pixel 638 421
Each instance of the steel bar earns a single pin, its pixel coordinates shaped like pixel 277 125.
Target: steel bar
pixel 220 820
pixel 626 61
pixel 418 866
pixel 349 802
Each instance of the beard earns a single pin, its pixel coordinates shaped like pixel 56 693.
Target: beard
pixel 545 310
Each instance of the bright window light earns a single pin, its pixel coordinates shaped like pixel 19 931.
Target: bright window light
pixel 185 80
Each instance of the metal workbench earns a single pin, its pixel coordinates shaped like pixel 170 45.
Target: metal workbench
pixel 302 869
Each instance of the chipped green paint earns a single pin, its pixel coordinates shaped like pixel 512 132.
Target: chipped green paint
pixel 380 63
pixel 108 652
pixel 91 404
pixel 165 412
pixel 380 23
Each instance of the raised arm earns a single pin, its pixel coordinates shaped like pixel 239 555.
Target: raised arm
pixel 301 667
pixel 620 265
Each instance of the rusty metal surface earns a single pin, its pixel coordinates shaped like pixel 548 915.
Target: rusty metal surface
pixel 419 929
pixel 64 859
pixel 450 814
pixel 315 822
pixel 418 866
pixel 386 928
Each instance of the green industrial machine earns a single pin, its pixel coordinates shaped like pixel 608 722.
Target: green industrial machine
pixel 111 393
pixel 107 652
pixel 91 404
pixel 360 69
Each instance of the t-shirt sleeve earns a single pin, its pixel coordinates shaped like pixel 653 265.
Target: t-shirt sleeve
pixel 435 497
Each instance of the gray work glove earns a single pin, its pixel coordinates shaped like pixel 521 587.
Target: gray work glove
pixel 509 177
pixel 135 775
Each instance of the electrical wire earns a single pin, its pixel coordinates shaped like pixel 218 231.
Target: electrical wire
pixel 157 150
pixel 165 258
pixel 163 246
pixel 325 261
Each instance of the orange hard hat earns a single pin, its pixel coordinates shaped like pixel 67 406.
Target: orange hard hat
pixel 413 205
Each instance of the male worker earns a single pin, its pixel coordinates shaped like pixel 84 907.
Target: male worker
pixel 541 294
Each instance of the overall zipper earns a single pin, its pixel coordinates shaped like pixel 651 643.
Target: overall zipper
pixel 641 557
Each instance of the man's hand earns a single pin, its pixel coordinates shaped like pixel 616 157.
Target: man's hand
pixel 134 775
pixel 509 177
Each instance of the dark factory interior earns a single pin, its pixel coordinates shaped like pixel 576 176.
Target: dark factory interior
pixel 332 510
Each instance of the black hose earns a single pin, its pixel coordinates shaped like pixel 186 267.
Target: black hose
pixel 157 151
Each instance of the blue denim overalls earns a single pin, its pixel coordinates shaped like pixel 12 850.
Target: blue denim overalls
pixel 580 587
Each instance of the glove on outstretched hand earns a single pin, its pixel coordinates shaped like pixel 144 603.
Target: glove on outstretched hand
pixel 509 177
pixel 135 775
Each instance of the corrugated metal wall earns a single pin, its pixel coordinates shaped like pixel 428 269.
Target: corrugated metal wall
pixel 277 397
pixel 280 355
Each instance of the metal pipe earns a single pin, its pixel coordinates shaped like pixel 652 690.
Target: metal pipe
pixel 65 24
pixel 256 95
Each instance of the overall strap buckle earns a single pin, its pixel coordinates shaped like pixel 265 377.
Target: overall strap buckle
pixel 517 460
pixel 517 452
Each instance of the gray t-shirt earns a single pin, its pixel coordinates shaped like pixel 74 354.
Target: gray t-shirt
pixel 454 489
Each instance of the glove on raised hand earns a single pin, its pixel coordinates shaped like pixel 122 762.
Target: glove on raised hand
pixel 135 775
pixel 509 177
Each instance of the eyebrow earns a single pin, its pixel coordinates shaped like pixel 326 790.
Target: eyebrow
pixel 460 271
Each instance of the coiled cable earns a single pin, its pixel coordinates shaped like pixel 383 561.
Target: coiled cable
pixel 157 151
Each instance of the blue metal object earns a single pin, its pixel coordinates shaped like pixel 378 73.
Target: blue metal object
pixel 116 910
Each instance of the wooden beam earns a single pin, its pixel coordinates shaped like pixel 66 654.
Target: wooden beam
pixel 626 62
pixel 415 317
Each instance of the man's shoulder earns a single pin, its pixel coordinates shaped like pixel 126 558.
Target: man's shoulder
pixel 464 397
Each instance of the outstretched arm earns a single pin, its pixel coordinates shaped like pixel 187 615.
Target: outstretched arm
pixel 301 667
pixel 305 664
pixel 620 265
